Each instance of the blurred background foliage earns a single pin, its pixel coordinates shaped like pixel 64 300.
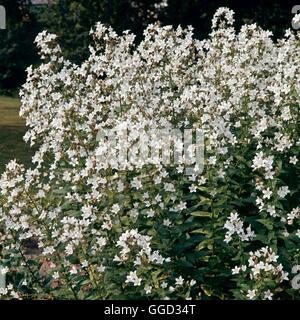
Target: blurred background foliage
pixel 72 20
pixel 17 51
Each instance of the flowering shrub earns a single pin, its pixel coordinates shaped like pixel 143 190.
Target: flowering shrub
pixel 81 225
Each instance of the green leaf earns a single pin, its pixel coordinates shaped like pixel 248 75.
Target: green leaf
pixel 202 214
pixel 267 223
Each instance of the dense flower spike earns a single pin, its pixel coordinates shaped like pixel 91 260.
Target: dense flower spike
pixel 82 224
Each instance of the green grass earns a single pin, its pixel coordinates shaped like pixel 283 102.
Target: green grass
pixel 9 113
pixel 12 129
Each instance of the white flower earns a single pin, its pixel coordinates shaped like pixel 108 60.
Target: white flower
pixel 293 160
pixel 121 186
pixel 234 225
pixel 179 281
pixel 296 19
pixel 244 268
pixel 193 188
pixel 227 238
pixel 101 269
pixel 161 5
pixel 133 278
pixel 74 270
pixel 212 160
pixel 150 213
pixel 267 193
pixel 223 18
pixel 271 210
pixel 48 250
pixel 167 222
pixel 268 295
pixel 115 208
pixel 69 249
pixel 192 282
pixel 251 294
pixel 202 181
pixel 169 187
pixel 136 183
pixel 84 264
pixel 148 289
pixel 181 206
pixel 236 270
pixel 283 191
pixel 171 289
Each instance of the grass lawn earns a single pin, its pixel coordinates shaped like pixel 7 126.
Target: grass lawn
pixel 12 129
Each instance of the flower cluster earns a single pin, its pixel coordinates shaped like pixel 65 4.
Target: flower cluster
pixel 235 225
pixel 130 240
pixel 84 222
pixel 262 268
pixel 8 293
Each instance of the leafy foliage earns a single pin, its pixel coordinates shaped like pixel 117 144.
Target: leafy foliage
pixel 17 51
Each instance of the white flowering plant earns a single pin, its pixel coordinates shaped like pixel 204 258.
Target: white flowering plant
pixel 80 225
